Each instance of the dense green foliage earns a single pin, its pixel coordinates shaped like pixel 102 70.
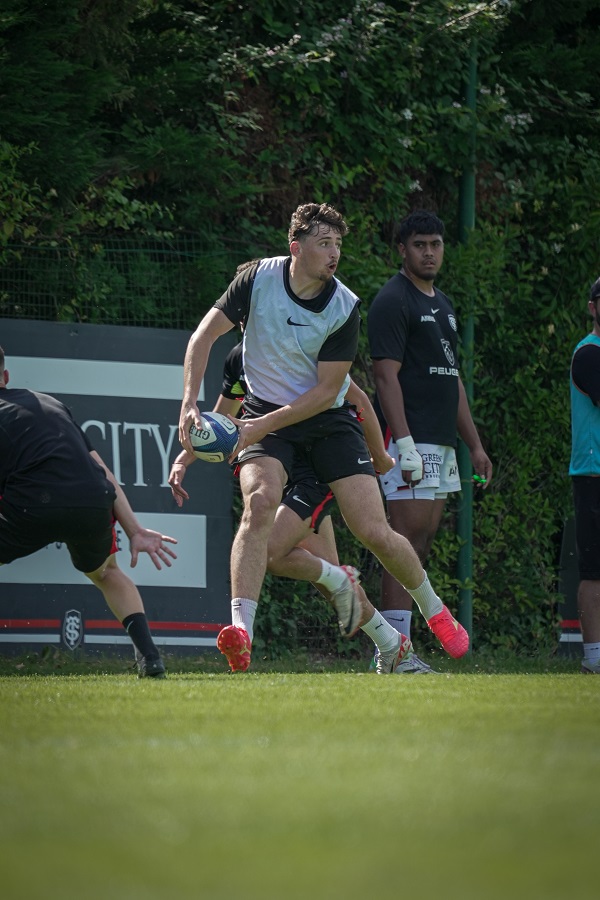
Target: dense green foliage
pixel 153 118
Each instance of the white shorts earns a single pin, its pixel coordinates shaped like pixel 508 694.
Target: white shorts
pixel 440 475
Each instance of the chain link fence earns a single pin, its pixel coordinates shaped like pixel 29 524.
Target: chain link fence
pixel 152 282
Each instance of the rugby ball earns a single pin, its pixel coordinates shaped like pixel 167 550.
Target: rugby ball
pixel 216 440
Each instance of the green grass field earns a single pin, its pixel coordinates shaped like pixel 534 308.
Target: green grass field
pixel 284 785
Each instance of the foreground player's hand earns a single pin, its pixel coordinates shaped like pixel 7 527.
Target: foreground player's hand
pixel 409 460
pixel 154 544
pixel 189 416
pixel 250 431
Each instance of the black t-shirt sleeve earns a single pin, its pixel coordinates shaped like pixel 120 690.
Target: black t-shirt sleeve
pixel 234 386
pixel 235 302
pixel 342 345
pixel 586 371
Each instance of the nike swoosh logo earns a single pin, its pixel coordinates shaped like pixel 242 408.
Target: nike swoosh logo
pixel 301 324
pixel 435 310
pixel 363 462
pixel 295 497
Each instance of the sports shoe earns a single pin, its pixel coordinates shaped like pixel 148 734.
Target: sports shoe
pixel 385 663
pixel 412 665
pixel 588 668
pixel 347 602
pixel 450 633
pixel 150 668
pixel 235 644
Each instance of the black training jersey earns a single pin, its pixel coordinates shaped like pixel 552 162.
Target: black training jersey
pixel 406 325
pixel 45 456
pixel 285 337
pixel 234 384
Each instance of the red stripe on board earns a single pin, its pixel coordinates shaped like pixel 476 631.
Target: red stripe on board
pixel 570 623
pixel 157 626
pixel 30 623
pixel 185 626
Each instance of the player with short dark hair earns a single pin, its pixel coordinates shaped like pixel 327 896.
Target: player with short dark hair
pixel 54 487
pixel 421 402
pixel 300 339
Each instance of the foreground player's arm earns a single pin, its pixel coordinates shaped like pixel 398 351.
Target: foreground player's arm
pixel 382 461
pixel 330 376
pixel 468 433
pixel 213 325
pixel 228 406
pixel 141 540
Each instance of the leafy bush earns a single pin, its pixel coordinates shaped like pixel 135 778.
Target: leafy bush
pixel 162 118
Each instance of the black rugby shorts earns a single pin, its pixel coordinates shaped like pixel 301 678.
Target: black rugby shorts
pixel 586 498
pixel 307 497
pixel 88 533
pixel 331 443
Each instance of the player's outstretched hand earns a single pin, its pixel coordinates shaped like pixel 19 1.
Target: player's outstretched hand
pixel 176 476
pixel 154 544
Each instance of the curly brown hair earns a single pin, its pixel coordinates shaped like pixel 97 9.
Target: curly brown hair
pixel 308 216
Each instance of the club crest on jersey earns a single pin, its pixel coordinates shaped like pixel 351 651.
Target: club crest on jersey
pixel 448 351
pixel 72 629
pixel 452 321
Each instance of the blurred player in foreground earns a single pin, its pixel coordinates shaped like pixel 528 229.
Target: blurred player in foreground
pixel 54 487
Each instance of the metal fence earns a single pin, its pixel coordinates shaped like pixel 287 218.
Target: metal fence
pixel 162 283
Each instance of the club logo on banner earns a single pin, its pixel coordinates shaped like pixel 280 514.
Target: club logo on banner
pixel 72 629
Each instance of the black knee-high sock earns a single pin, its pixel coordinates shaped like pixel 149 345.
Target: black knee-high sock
pixel 136 626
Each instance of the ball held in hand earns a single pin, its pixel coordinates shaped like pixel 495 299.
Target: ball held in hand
pixel 216 440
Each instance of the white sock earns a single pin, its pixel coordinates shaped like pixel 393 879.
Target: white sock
pixel 381 632
pixel 331 577
pixel 426 599
pixel 242 614
pixel 400 619
pixel 591 653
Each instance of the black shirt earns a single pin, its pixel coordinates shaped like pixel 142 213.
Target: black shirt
pixel 234 384
pixel 420 332
pixel 45 456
